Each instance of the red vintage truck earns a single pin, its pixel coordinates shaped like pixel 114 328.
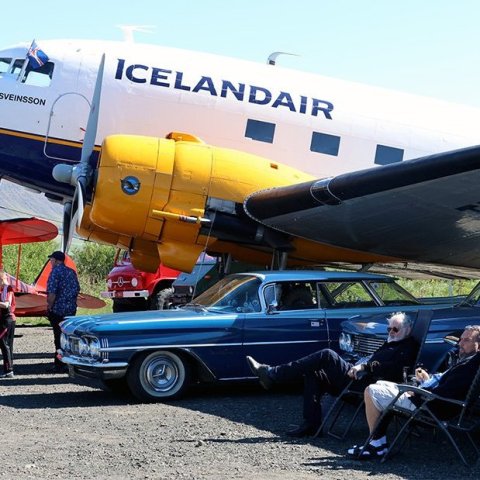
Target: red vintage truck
pixel 133 290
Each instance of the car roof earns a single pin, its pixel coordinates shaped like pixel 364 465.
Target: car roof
pixel 303 275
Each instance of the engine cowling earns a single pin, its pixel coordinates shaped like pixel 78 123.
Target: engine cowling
pixel 171 198
pixel 152 193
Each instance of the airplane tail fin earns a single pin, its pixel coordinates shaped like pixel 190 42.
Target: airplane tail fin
pixel 41 281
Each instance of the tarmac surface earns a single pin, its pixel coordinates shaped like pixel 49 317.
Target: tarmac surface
pixel 53 428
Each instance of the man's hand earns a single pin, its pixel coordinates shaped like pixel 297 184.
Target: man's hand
pixel 352 373
pixel 421 375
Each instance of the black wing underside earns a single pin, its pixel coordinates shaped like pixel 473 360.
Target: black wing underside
pixel 423 211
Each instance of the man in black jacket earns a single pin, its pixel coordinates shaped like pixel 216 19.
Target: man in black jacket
pixel 454 383
pixel 326 372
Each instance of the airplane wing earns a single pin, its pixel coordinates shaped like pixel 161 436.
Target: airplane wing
pixel 89 301
pixel 26 230
pixel 35 304
pixel 425 210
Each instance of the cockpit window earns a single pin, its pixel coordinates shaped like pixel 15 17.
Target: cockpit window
pixel 39 77
pixel 17 66
pixel 5 64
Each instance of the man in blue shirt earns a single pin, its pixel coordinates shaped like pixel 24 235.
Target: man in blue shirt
pixel 62 291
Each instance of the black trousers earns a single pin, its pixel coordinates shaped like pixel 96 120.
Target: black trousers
pixel 55 321
pixel 324 372
pixel 7 331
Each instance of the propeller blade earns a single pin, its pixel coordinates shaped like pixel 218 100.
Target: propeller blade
pixel 91 132
pixel 80 193
pixel 67 214
pixel 73 222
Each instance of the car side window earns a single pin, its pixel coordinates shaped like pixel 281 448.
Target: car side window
pixel 296 296
pixel 349 295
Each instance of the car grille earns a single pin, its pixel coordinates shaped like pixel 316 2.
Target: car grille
pixel 104 344
pixel 366 344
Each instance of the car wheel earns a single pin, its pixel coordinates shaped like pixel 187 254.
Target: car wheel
pixel 162 299
pixel 160 375
pixel 116 385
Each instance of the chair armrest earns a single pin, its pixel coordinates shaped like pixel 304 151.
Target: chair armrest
pixel 417 390
pixel 427 395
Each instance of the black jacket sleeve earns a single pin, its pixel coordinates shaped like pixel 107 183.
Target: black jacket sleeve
pixel 388 362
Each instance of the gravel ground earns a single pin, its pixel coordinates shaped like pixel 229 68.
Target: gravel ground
pixel 52 427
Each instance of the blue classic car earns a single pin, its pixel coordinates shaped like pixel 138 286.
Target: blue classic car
pixel 273 316
pixel 364 334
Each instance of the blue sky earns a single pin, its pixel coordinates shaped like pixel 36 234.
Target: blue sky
pixel 428 47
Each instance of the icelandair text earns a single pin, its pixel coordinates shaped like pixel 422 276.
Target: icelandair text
pixel 221 88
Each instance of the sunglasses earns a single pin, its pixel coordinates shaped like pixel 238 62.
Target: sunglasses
pixel 393 329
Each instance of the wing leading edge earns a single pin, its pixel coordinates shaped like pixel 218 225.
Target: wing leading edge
pixel 423 210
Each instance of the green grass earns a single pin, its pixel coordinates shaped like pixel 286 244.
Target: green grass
pixel 437 288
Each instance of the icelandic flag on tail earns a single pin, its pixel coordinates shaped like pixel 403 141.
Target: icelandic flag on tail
pixel 36 56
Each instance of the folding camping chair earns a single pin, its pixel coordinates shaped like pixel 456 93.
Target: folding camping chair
pixel 464 423
pixel 350 395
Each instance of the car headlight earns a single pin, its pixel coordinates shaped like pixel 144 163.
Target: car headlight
pixel 109 283
pixel 95 348
pixel 64 342
pixel 345 342
pixel 83 347
pixel 134 282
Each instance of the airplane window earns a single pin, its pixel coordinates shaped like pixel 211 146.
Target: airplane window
pixel 17 66
pixel 386 155
pixel 39 77
pixel 261 131
pixel 324 143
pixel 4 64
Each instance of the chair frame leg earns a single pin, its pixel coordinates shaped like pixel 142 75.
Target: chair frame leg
pixel 335 410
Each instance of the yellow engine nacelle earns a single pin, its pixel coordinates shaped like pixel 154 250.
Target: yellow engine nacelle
pixel 147 187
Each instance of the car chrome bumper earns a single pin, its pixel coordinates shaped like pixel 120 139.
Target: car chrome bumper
pixel 99 370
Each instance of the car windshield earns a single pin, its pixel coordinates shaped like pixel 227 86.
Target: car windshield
pixel 393 294
pixel 235 293
pixel 473 299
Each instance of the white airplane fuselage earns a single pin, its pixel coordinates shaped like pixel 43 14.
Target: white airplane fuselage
pixel 319 125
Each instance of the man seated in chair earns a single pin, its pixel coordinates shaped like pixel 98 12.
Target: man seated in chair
pixel 326 372
pixel 453 383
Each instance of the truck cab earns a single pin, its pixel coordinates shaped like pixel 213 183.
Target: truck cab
pixel 133 290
